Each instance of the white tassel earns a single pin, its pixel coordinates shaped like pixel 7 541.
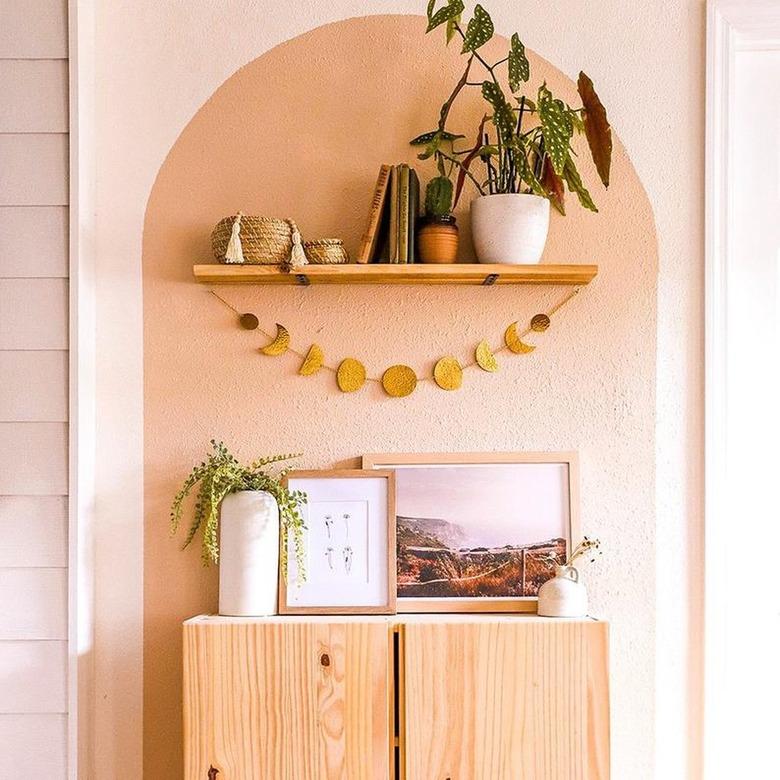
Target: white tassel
pixel 297 255
pixel 235 252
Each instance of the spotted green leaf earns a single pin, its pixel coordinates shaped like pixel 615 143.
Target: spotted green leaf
pixel 519 69
pixel 557 128
pixel 526 169
pixel 426 138
pixel 503 116
pixel 452 25
pixel 453 9
pixel 479 30
pixel 573 180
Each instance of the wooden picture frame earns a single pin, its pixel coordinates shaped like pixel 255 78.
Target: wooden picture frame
pixel 387 607
pixel 569 504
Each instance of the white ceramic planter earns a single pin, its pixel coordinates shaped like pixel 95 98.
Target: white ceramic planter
pixel 510 228
pixel 249 554
pixel 564 595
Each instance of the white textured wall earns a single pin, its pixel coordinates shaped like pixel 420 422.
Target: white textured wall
pixel 157 63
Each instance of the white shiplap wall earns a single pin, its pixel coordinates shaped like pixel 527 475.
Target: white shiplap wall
pixel 33 387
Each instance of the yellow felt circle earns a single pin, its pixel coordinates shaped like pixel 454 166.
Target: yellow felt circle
pixel 399 381
pixel 540 322
pixel 313 361
pixel 515 343
pixel 351 375
pixel 486 360
pixel 448 373
pixel 280 344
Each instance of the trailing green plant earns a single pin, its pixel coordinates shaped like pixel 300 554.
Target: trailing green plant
pixel 531 150
pixel 220 474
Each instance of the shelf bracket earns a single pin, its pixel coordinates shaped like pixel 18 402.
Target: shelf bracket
pixel 302 279
pixel 490 280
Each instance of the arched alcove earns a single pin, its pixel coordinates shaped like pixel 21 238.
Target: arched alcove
pixel 300 132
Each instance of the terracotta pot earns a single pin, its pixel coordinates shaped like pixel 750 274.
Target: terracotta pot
pixel 437 240
pixel 510 228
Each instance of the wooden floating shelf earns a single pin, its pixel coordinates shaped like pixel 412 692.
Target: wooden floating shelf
pixel 385 273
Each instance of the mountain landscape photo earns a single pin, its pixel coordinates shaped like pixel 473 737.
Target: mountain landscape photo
pixel 438 559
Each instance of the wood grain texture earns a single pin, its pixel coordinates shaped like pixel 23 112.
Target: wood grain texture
pixel 289 701
pixel 382 273
pixel 506 701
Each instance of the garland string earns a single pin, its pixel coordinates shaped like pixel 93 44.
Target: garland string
pixel 378 380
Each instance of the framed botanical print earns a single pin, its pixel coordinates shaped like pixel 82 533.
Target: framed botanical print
pixel 349 544
pixel 479 532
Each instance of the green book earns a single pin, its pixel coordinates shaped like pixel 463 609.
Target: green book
pixel 392 233
pixel 404 216
pixel 414 213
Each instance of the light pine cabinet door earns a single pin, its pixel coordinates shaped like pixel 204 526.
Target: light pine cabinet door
pixel 292 701
pixel 503 700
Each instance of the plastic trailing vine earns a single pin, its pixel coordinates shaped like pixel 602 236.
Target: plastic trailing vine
pixel 220 474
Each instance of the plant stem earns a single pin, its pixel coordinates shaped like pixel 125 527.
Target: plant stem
pixel 445 109
pixel 468 172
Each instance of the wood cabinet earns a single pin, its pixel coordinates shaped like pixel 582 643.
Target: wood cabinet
pixel 420 697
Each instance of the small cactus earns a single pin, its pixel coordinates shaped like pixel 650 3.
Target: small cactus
pixel 438 197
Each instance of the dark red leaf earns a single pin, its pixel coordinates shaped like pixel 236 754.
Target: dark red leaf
pixel 553 185
pixel 464 166
pixel 597 128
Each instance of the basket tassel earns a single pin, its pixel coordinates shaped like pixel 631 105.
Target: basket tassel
pixel 297 255
pixel 235 252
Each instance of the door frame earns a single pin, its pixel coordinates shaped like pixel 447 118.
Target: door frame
pixel 82 379
pixel 731 25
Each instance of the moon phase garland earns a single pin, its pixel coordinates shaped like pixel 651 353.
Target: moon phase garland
pixel 399 380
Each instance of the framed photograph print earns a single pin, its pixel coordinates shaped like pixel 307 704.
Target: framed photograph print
pixel 479 532
pixel 349 544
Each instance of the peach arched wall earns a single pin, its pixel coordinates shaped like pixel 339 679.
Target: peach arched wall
pixel 301 132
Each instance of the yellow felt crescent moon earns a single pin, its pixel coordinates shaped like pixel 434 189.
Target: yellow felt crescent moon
pixel 399 381
pixel 448 373
pixel 515 343
pixel 486 360
pixel 280 344
pixel 351 375
pixel 313 361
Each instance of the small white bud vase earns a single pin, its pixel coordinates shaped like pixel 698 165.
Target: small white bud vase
pixel 563 595
pixel 510 228
pixel 249 554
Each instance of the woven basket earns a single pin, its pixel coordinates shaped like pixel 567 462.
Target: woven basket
pixel 326 251
pixel 264 240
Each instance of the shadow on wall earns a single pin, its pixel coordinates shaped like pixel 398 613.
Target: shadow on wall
pixel 300 132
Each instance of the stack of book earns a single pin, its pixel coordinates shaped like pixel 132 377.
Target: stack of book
pixel 392 221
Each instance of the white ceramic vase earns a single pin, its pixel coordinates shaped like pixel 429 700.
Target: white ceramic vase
pixel 510 228
pixel 563 595
pixel 249 554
